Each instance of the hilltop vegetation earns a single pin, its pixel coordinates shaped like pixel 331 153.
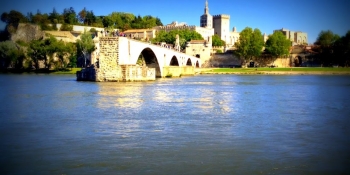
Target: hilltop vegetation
pixel 116 20
pixel 48 52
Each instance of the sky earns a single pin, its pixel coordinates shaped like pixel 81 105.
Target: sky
pixel 310 16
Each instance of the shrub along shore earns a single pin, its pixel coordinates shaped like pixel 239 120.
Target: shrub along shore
pixel 278 71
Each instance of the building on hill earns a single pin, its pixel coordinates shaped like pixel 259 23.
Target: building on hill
pixel 141 34
pixel 298 38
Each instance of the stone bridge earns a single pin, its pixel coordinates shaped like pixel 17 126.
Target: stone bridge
pixel 164 60
pixel 125 59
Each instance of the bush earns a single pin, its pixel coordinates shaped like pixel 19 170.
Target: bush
pixel 219 51
pixel 22 43
pixel 93 30
pixel 66 27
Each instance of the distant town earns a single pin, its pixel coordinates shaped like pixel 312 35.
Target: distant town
pixel 56 41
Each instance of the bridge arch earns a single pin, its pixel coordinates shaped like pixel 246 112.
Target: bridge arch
pixel 174 61
pixel 197 64
pixel 148 58
pixel 189 62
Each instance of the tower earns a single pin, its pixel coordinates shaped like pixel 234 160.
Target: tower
pixel 221 24
pixel 206 19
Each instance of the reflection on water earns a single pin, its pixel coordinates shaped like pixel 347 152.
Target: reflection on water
pixel 222 124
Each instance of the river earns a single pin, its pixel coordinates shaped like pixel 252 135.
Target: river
pixel 205 124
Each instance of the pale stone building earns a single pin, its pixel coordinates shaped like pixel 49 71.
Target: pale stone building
pixel 199 48
pixel 142 34
pixel 296 37
pixel 221 25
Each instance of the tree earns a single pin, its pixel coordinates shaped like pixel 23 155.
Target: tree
pixel 55 17
pixel 63 50
pixel 14 17
pixel 277 44
pixel 107 21
pixel 6 47
pixel 342 50
pixel 125 21
pixel 170 37
pixel 11 55
pixel 85 46
pixel 326 41
pixel 69 16
pixel 250 44
pixel 66 27
pixel 217 41
pixel 82 15
pixel 159 22
pixel 37 52
pixel 90 18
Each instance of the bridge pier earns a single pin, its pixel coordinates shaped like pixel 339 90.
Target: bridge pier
pixel 120 73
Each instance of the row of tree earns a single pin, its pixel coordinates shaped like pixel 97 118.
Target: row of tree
pixel 333 49
pixel 185 35
pixel 69 16
pixel 329 48
pixel 50 52
pixel 251 43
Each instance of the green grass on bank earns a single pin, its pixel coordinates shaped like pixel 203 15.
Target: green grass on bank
pixel 67 71
pixel 266 69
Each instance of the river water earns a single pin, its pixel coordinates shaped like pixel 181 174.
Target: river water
pixel 206 124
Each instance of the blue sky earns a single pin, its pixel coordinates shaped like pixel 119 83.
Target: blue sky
pixel 310 16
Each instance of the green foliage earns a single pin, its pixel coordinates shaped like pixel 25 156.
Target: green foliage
pixel 216 41
pixel 14 17
pixel 250 44
pixel 6 48
pixel 326 39
pixel 86 17
pixel 326 42
pixel 219 51
pixel 37 52
pixel 66 27
pixel 278 45
pixel 11 55
pixel 47 49
pixel 85 46
pixel 342 50
pixel 332 49
pixel 92 30
pixel 170 37
pixel 125 21
pixel 22 43
pixel 55 17
pixel 116 20
pixel 69 16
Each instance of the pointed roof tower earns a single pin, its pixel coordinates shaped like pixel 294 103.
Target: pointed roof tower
pixel 206 18
pixel 206 10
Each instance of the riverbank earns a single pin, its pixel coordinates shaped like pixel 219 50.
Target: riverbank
pixel 277 71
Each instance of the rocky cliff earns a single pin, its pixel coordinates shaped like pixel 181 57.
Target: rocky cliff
pixel 27 32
